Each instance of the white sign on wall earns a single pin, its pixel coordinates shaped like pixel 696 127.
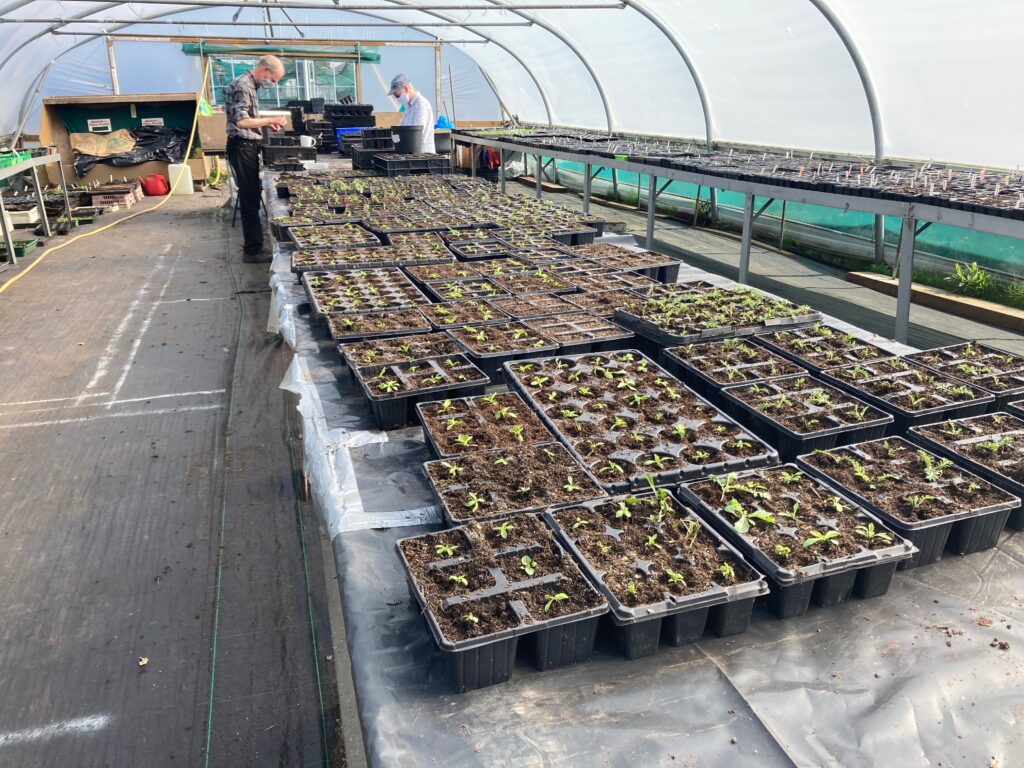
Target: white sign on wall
pixel 99 125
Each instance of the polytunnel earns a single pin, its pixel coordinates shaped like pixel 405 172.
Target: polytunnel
pixel 511 383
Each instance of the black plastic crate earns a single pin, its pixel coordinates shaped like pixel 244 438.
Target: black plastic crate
pixel 366 158
pixel 961 533
pixel 287 154
pixel 865 574
pixel 347 110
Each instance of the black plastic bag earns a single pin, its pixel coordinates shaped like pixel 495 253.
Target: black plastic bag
pixel 152 142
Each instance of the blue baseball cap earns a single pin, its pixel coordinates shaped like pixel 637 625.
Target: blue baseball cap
pixel 398 82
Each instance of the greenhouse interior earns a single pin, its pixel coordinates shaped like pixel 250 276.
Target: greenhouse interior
pixel 511 383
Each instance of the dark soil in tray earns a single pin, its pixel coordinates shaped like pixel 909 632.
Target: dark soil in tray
pixel 907 386
pixel 978 364
pixel 805 406
pixel 794 519
pixel 470 235
pixel 625 417
pixel 465 289
pixel 481 249
pixel 332 236
pixel 577 328
pixel 354 258
pixel 495 339
pixel 424 374
pixel 538 281
pixel 364 290
pixel 455 314
pixel 601 303
pixel 621 258
pixel 485 578
pixel 399 349
pixel 540 305
pixel 649 550
pixel 439 273
pixel 608 281
pixel 905 481
pixel 370 324
pixel 488 484
pixel 503 267
pixel 823 346
pixel 733 361
pixel 994 441
pixel 499 420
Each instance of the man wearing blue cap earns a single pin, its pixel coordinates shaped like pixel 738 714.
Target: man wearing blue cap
pixel 417 110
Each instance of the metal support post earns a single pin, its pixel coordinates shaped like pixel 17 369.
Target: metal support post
pixel 615 185
pixel 8 240
pixel 39 201
pixel 540 175
pixel 437 79
pixel 908 234
pixel 782 225
pixel 115 86
pixel 714 205
pixel 696 207
pixel 879 239
pixel 586 188
pixel 501 171
pixel 472 160
pixel 652 199
pixel 748 229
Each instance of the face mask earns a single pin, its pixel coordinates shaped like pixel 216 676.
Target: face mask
pixel 266 82
pixel 404 99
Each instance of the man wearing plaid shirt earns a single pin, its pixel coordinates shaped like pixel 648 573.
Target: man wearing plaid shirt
pixel 417 110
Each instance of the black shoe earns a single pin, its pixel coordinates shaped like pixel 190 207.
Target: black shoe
pixel 262 256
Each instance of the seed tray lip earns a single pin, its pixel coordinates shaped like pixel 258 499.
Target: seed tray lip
pixel 295 233
pixel 523 628
pixel 1002 396
pixel 437 448
pixel 345 349
pixel 669 477
pixel 417 297
pixel 763 338
pixel 891 520
pixel 405 393
pixel 623 615
pixel 901 549
pixel 454 520
pixel 672 354
pixel 353 337
pixel 884 418
pixel 829 375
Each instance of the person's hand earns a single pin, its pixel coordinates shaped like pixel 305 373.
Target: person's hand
pixel 275 127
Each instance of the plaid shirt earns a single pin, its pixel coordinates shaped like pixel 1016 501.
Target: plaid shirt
pixel 419 112
pixel 240 102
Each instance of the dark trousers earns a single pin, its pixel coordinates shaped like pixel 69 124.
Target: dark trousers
pixel 244 156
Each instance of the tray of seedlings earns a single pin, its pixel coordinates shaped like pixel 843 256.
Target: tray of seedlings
pixel 529 307
pixel 656 266
pixel 625 417
pixel 665 573
pixel 484 485
pixel 536 281
pixel 579 332
pixel 332 236
pixel 601 303
pixel 327 259
pixel 983 367
pixel 456 290
pixel 594 282
pixel 502 267
pixel 929 500
pixel 481 249
pixel 363 290
pixel 498 420
pixel 489 346
pixel 799 413
pixel 442 273
pixel 990 445
pixel 456 314
pixel 687 314
pixel 397 349
pixel 476 235
pixel 821 346
pixel 541 256
pixel 912 393
pixel 810 541
pixel 484 585
pixel 715 364
pixel 374 325
pixel 394 389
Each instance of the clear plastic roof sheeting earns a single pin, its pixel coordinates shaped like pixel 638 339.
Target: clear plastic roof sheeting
pixel 914 79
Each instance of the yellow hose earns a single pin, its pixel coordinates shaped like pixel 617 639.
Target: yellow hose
pixel 105 227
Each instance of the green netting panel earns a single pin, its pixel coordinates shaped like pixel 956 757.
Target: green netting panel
pixel 1005 254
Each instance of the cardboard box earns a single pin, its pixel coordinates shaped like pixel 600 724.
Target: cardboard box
pixel 212 132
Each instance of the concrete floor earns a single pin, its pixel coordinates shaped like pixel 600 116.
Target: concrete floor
pixel 147 510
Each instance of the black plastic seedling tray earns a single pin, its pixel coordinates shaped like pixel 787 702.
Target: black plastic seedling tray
pixel 571 332
pixel 676 619
pixel 865 574
pixel 686 367
pixel 958 452
pixel 903 418
pixel 396 410
pixel 487 660
pixel 413 319
pixel 1005 385
pixel 960 533
pixel 401 293
pixel 532 307
pixel 491 362
pixel 815 361
pixel 789 442
pixel 468 410
pixel 689 471
pixel 525 459
pixel 398 349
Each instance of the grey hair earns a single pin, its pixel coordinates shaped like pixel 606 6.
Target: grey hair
pixel 272 63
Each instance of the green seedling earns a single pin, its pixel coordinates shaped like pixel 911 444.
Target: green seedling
pixel 471 618
pixel 550 600
pixel 782 550
pixel 445 550
pixel 623 511
pixel 502 461
pixel 579 522
pixel 727 571
pixel 474 503
pixel 835 504
pixel 517 432
pixel 933 469
pixel 817 538
pixel 996 445
pixel 818 397
pixel 452 424
pixel 652 542
pixel 674 577
pixel 868 532
pixel 571 486
pixel 453 469
pixel 528 565
pixel 919 499
pixel 605 549
pixel 657 460
pixel 631 588
pixel 463 439
pixel 459 580
pixel 503 530
pixel 791 478
pixel 389 386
